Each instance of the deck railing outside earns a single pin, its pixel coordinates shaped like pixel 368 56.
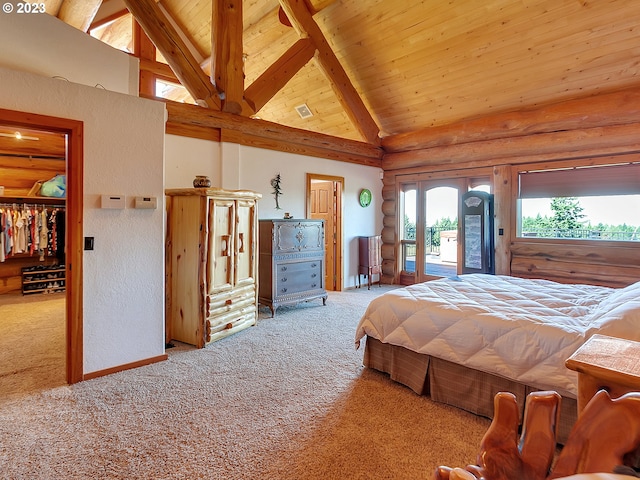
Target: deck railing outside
pixel 433 234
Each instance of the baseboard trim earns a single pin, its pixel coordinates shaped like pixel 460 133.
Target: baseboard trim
pixel 127 366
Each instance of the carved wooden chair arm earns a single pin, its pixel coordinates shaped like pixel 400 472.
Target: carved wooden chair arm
pixel 606 435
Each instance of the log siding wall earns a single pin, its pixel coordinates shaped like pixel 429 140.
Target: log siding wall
pixel 589 131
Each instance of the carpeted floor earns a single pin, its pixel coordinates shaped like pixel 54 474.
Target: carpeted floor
pixel 286 399
pixel 32 336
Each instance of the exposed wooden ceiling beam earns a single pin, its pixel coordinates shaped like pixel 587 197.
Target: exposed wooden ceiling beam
pixel 277 75
pixel 104 20
pixel 79 13
pixel 226 52
pixel 303 22
pixel 200 58
pixel 291 145
pixel 159 69
pixel 167 40
pixel 191 115
pixel 586 112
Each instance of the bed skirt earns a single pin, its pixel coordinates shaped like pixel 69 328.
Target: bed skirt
pixel 454 384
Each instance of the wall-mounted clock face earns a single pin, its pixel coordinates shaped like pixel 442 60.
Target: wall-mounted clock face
pixel 365 197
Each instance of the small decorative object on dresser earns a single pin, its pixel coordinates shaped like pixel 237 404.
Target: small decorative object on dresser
pixel 277 190
pixel 211 267
pixel 201 181
pixel 291 262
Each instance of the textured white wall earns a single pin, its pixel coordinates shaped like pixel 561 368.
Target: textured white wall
pixel 42 44
pixel 123 154
pixel 258 167
pixel 187 157
pixel 253 168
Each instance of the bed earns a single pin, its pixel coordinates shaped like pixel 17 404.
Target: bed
pixel 463 339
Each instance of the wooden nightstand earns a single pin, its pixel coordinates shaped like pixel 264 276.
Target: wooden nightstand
pixel 608 363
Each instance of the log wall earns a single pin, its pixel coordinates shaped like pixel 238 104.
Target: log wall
pixel 589 131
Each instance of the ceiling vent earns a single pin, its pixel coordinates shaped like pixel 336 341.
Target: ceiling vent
pixel 304 111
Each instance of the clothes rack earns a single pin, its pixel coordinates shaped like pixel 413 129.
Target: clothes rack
pixel 30 229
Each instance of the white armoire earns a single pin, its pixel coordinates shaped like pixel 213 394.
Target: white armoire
pixel 211 264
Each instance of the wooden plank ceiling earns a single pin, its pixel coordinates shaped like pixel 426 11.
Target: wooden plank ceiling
pixel 370 69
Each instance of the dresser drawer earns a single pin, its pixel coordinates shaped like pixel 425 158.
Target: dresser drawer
pixel 300 236
pixel 298 277
pixel 304 266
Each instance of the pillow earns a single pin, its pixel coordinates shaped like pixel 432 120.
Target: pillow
pixel 618 315
pixel 621 295
pixel 56 187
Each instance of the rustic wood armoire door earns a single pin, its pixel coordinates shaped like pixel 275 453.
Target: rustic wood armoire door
pixel 220 255
pixel 245 246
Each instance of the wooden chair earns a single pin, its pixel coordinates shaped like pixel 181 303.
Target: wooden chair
pixel 605 436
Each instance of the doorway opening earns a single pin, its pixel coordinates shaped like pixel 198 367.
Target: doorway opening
pixel 72 131
pixel 429 231
pixel 324 202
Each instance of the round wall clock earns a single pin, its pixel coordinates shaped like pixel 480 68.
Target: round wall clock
pixel 365 197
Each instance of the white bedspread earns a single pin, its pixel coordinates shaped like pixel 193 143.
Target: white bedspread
pixel 517 328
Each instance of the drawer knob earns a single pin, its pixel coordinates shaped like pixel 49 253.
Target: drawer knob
pixel 283 269
pixel 314 265
pixel 314 285
pixel 314 275
pixel 283 279
pixel 284 290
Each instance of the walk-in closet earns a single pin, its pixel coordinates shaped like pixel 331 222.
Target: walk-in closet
pixel 32 259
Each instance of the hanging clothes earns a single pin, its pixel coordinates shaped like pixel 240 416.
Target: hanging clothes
pixel 32 230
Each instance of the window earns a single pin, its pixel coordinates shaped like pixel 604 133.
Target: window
pixel 117 33
pixel 173 91
pixel 588 203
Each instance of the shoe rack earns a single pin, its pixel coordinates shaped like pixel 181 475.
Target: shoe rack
pixel 43 279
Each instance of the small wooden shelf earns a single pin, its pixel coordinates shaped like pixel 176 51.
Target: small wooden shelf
pixel 43 279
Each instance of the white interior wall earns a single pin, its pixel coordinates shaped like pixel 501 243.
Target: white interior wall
pixel 187 157
pixel 258 167
pixel 252 168
pixel 123 299
pixel 42 44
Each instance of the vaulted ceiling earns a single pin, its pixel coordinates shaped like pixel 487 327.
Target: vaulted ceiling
pixel 370 69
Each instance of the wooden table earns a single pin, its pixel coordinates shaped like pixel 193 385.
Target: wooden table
pixel 608 363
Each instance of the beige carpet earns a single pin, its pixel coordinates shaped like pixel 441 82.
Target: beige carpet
pixel 32 342
pixel 287 399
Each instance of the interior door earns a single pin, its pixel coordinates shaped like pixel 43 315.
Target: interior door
pixel 323 208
